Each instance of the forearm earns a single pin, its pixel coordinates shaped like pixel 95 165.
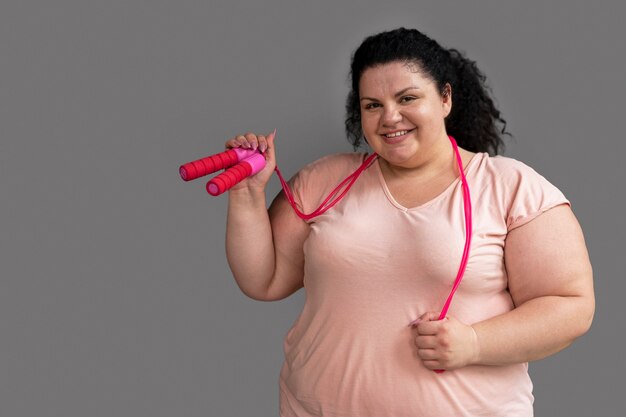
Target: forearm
pixel 249 242
pixel 532 331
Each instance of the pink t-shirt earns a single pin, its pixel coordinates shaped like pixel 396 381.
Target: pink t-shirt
pixel 372 266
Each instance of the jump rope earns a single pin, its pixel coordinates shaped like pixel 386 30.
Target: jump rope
pixel 242 163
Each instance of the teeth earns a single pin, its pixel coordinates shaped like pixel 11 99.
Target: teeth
pixel 400 133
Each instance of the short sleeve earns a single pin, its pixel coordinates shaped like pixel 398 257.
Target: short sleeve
pixel 313 183
pixel 529 194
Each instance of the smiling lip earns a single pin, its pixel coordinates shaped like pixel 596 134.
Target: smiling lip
pixel 396 139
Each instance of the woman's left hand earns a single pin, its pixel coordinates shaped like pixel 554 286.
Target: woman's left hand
pixel 445 344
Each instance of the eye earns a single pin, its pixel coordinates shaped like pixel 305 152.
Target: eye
pixel 371 106
pixel 407 99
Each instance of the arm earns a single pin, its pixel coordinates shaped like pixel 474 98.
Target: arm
pixel 550 281
pixel 263 247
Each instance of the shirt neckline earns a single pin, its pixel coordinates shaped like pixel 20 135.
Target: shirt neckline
pixel 443 194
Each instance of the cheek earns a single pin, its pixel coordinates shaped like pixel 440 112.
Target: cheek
pixel 429 115
pixel 369 121
pixel 427 111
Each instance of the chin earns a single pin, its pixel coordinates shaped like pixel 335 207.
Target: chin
pixel 400 155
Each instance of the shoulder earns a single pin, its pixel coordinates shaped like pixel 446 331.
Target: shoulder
pixel 505 167
pixel 520 191
pixel 508 173
pixel 330 167
pixel 336 161
pixel 318 178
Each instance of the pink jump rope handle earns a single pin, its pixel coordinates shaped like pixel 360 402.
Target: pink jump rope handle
pixel 244 169
pixel 210 164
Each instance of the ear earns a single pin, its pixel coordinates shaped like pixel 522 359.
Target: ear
pixel 446 101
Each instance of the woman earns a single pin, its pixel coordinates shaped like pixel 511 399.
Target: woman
pixel 378 266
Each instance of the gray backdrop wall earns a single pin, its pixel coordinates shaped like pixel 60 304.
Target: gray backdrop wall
pixel 115 295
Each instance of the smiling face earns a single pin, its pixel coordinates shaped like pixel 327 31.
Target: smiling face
pixel 402 114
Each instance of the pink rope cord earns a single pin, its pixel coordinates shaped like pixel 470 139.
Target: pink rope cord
pixel 467 209
pixel 333 199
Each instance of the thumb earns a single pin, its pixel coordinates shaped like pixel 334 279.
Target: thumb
pixel 271 136
pixel 429 316
pixel 270 143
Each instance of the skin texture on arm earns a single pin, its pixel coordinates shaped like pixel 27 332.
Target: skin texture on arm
pixel 263 247
pixel 550 281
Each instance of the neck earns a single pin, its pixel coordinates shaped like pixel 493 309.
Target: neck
pixel 437 160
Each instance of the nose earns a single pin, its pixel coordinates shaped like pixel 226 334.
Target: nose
pixel 391 115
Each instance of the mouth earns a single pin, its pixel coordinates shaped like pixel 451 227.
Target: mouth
pixel 396 137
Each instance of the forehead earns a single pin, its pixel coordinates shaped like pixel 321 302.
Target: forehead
pixel 392 77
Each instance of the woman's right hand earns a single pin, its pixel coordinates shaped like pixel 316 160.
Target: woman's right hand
pixel 265 144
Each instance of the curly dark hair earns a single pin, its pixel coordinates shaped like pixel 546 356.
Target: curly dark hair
pixel 474 120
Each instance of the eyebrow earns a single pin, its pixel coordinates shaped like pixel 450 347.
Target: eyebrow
pixel 399 93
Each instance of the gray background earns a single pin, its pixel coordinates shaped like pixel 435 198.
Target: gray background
pixel 115 295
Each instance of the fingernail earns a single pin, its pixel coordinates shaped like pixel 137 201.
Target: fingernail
pixel 254 146
pixel 415 322
pixel 262 147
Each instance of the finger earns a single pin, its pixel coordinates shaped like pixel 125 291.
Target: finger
pixel 429 316
pixel 270 145
pixel 262 143
pixel 428 354
pixel 259 140
pixel 232 143
pixel 426 342
pixel 432 364
pixel 428 323
pixel 252 140
pixel 244 142
pixel 429 328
